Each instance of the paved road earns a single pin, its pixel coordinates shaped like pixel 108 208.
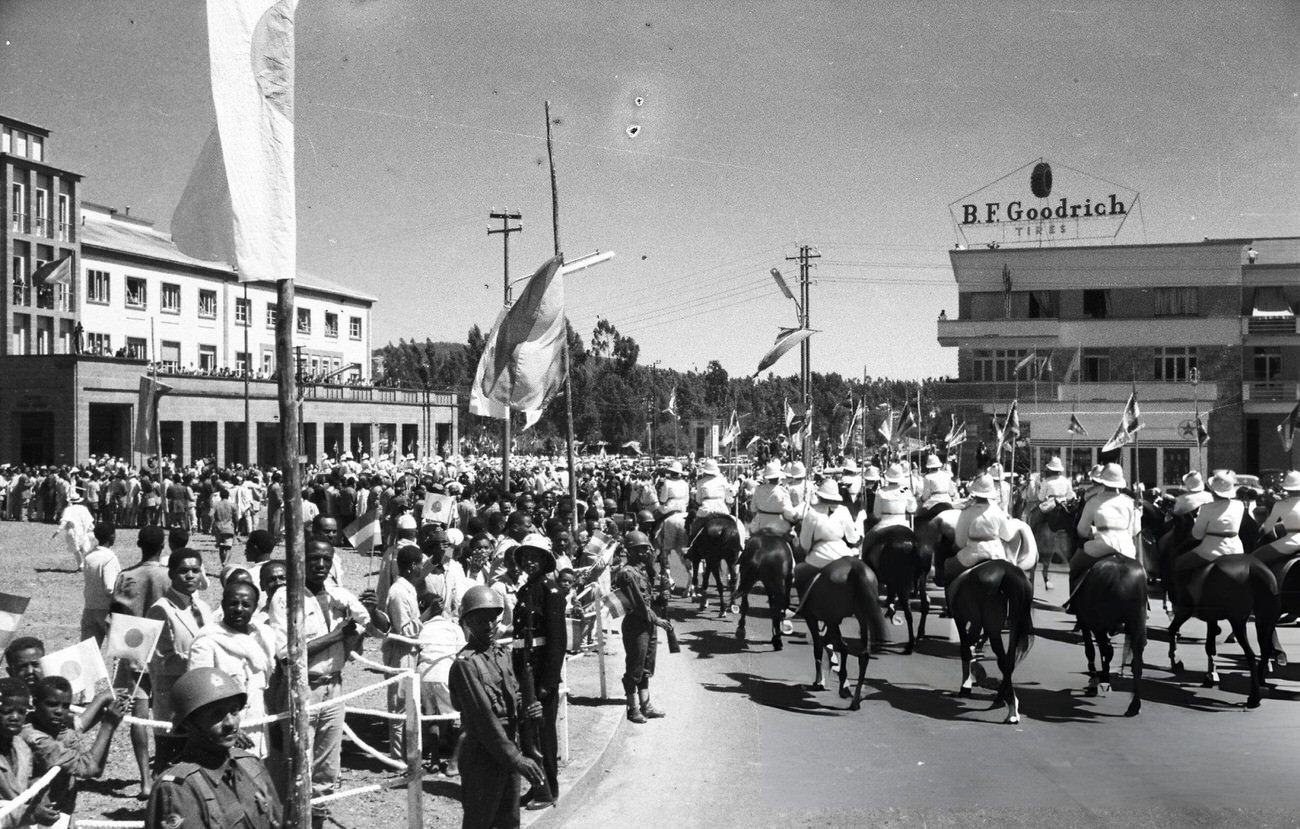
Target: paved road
pixel 745 745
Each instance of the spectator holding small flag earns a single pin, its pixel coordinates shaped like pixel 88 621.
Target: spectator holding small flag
pixel 55 740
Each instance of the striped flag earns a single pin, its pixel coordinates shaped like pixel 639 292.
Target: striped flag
pixel 616 603
pixel 55 272
pixel 733 431
pixel 80 664
pixel 1011 428
pixel 363 533
pixel 132 638
pixel 906 420
pixel 1075 427
pixel 786 340
pixel 886 427
pixel 12 609
pixel 146 413
pixel 1130 421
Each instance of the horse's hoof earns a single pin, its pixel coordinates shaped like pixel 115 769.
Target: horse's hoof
pixel 1103 689
pixel 787 629
pixel 777 644
pixel 856 705
pixel 733 608
pixel 1090 691
pixel 1012 719
pixel 907 650
pixel 1047 585
pixel 845 693
pixel 1252 703
pixel 1176 666
pixel 1209 681
pixel 964 692
pixel 1279 658
pixel 816 686
pixel 740 633
pixel 1134 708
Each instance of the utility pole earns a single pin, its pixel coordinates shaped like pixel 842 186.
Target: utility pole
pixel 505 216
pixel 805 350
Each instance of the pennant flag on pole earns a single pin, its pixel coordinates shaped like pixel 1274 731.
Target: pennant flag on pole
pixel 1011 429
pixel 1130 421
pixel 906 420
pixel 146 413
pixel 848 432
pixel 80 664
pixel 671 408
pixel 957 437
pixel 1075 427
pixel 1028 358
pixel 886 427
pixel 244 178
pixel 12 609
pixel 57 272
pixel 786 340
pixel 1287 427
pixel 733 431
pixel 522 366
pixel 1045 366
pixel 363 533
pixel 795 414
pixel 1202 433
pixel 752 441
pixel 132 638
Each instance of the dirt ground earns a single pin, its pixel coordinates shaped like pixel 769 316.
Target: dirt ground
pixel 34 564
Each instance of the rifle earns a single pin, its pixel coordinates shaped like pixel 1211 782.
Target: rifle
pixel 660 605
pixel 530 738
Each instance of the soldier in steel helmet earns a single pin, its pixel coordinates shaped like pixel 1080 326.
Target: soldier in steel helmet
pixel 541 640
pixel 213 782
pixel 486 693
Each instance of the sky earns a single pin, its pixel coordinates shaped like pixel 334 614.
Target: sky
pixel 760 127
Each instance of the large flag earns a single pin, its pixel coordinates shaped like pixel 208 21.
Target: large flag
pixel 853 424
pixel 1287 427
pixel 80 664
pixel 364 532
pixel 1075 427
pixel 12 609
pixel 55 272
pixel 239 204
pixel 522 366
pixel 1130 421
pixel 671 408
pixel 146 414
pixel 132 638
pixel 1010 430
pixel 786 340
pixel 795 414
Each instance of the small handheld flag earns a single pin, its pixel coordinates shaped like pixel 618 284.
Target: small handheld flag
pixel 80 664
pixel 12 609
pixel 364 532
pixel 132 638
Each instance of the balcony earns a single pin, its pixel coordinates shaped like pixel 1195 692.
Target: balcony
pixel 958 332
pixel 1269 326
pixel 1270 391
pixel 1147 392
pixel 18 223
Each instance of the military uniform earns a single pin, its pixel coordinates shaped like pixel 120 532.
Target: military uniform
pixel 485 692
pixel 231 790
pixel 640 634
pixel 540 610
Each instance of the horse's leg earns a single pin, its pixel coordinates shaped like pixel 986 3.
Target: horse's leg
pixel 905 599
pixel 863 659
pixel 1006 664
pixel 716 566
pixel 1107 656
pixel 814 627
pixel 836 639
pixel 1175 625
pixel 1254 664
pixel 731 580
pixel 744 611
pixel 1090 653
pixel 966 643
pixel 1211 651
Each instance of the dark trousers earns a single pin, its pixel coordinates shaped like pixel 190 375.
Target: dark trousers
pixel 640 642
pixel 551 741
pixel 489 792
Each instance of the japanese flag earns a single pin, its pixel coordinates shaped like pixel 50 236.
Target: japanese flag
pixel 80 664
pixel 132 638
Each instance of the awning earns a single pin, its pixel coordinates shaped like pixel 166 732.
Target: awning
pixel 1270 302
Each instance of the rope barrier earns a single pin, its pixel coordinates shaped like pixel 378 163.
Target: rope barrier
pixel 368 749
pixel 389 715
pixel 109 824
pixel 326 798
pixel 30 792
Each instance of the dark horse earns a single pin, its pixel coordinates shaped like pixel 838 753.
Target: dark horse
pixel 902 567
pixel 845 587
pixel 766 558
pixel 716 541
pixel 983 600
pixel 1234 587
pixel 1111 598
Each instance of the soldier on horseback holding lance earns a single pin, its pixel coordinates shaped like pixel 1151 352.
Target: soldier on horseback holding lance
pixel 938 490
pixel 1215 533
pixel 1054 497
pixel 775 514
pixel 674 499
pixel 983 530
pixel 712 490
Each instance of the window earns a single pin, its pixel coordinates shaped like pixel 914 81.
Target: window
pixel 993 365
pixel 171 298
pixel 22 291
pixel 43 212
pixel 169 355
pixel 331 325
pixel 315 367
pixel 38 148
pixel 20 143
pixel 18 208
pixel 241 312
pixel 65 220
pixel 98 284
pixel 137 292
pixel 208 304
pixel 271 315
pixel 99 344
pixel 1174 363
pixel 304 320
pixel 137 348
pixel 268 362
pixel 4 141
pixel 241 361
pixel 1173 302
pixel 1096 303
pixel 354 327
pixel 207 358
pixel 1268 363
pixel 1095 366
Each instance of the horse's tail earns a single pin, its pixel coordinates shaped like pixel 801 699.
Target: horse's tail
pixel 866 602
pixel 1122 581
pixel 1019 594
pixel 1267 600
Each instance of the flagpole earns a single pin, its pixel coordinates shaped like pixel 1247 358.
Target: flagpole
pixel 1137 455
pixel 568 383
pixel 1195 377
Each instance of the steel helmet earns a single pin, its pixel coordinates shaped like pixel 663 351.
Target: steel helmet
pixel 199 687
pixel 481 597
pixel 645 516
pixel 636 539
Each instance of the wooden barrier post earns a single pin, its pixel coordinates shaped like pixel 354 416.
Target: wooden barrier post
pixel 562 716
pixel 600 636
pixel 414 755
